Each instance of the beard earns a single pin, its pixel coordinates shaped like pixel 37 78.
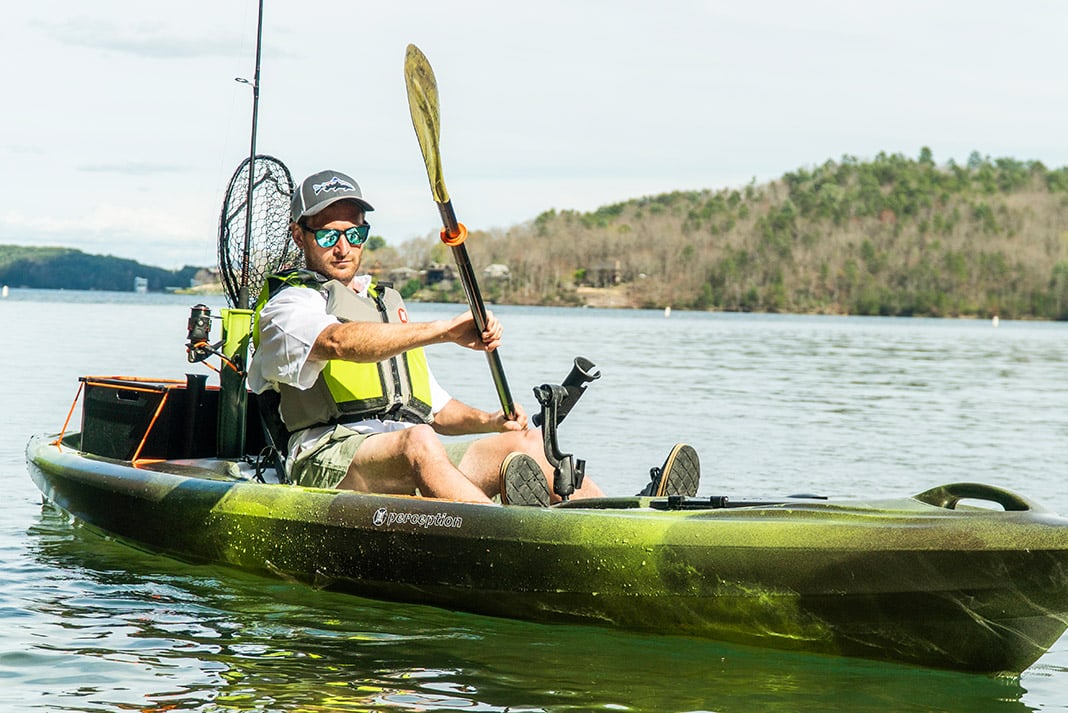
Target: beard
pixel 324 263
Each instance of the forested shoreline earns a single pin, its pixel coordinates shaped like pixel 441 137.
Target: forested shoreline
pixel 887 236
pixel 890 236
pixel 71 269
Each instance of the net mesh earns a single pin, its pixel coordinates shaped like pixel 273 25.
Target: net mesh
pixel 269 247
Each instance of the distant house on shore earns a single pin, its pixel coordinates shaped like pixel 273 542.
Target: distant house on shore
pixel 206 276
pixel 605 274
pixel 400 276
pixel 438 272
pixel 497 271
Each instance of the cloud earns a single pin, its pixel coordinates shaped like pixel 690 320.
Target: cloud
pixel 121 102
pixel 134 168
pixel 146 39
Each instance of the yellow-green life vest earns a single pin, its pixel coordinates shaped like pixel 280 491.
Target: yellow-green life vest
pixel 397 388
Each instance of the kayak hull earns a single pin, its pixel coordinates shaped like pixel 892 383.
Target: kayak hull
pixel 901 580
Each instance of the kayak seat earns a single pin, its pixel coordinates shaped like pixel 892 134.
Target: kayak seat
pixel 275 433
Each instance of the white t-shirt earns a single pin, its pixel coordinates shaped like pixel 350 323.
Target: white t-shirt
pixel 290 323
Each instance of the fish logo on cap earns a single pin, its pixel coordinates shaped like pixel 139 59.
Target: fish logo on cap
pixel 334 184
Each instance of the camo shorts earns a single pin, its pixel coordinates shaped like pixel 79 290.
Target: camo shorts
pixel 326 462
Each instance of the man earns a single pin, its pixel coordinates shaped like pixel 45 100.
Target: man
pixel 355 390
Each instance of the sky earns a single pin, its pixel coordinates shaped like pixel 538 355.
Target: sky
pixel 121 122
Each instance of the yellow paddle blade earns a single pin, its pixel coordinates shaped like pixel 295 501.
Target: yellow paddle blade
pixel 423 103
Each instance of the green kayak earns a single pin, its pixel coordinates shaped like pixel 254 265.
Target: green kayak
pixel 927 580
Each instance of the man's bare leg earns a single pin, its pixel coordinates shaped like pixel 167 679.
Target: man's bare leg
pixel 401 461
pixel 482 461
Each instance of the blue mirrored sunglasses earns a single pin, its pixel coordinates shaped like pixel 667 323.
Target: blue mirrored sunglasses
pixel 328 237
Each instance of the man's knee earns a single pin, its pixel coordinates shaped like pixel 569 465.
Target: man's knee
pixel 529 441
pixel 422 442
pixel 532 440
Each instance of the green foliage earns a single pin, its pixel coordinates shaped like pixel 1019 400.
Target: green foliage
pixel 409 288
pixel 439 252
pixel 1057 180
pixel 13 253
pixel 779 228
pixel 983 214
pixel 1058 291
pixel 50 268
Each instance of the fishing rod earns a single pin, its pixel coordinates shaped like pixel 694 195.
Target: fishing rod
pixel 237 323
pixel 256 208
pixel 243 302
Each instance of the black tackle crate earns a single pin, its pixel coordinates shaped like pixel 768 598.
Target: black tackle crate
pixel 117 413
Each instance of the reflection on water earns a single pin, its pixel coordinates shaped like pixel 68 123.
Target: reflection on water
pixel 127 629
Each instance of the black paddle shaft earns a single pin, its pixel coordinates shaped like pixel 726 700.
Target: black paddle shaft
pixel 478 306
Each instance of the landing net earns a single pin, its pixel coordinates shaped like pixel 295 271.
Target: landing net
pixel 270 247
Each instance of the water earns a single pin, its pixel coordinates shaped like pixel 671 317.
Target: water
pixel 774 404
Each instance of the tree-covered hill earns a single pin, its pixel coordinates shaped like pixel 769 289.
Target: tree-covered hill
pixel 66 268
pixel 890 236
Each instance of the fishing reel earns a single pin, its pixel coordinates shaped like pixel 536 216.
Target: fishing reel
pixel 556 402
pixel 197 346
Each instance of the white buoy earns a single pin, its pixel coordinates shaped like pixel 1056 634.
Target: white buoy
pixel 994 321
pixel 667 312
pixel 3 292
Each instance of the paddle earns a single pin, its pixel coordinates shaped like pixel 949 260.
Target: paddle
pixel 423 102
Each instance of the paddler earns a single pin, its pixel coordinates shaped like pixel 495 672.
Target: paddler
pixel 356 394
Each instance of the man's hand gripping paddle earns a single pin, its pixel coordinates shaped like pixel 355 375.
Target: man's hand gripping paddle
pixel 423 102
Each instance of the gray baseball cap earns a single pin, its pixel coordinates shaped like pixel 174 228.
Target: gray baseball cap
pixel 322 189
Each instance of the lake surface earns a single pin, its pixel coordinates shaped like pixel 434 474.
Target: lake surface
pixel 774 404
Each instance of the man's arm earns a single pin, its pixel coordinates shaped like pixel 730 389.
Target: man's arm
pixel 457 419
pixel 373 341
